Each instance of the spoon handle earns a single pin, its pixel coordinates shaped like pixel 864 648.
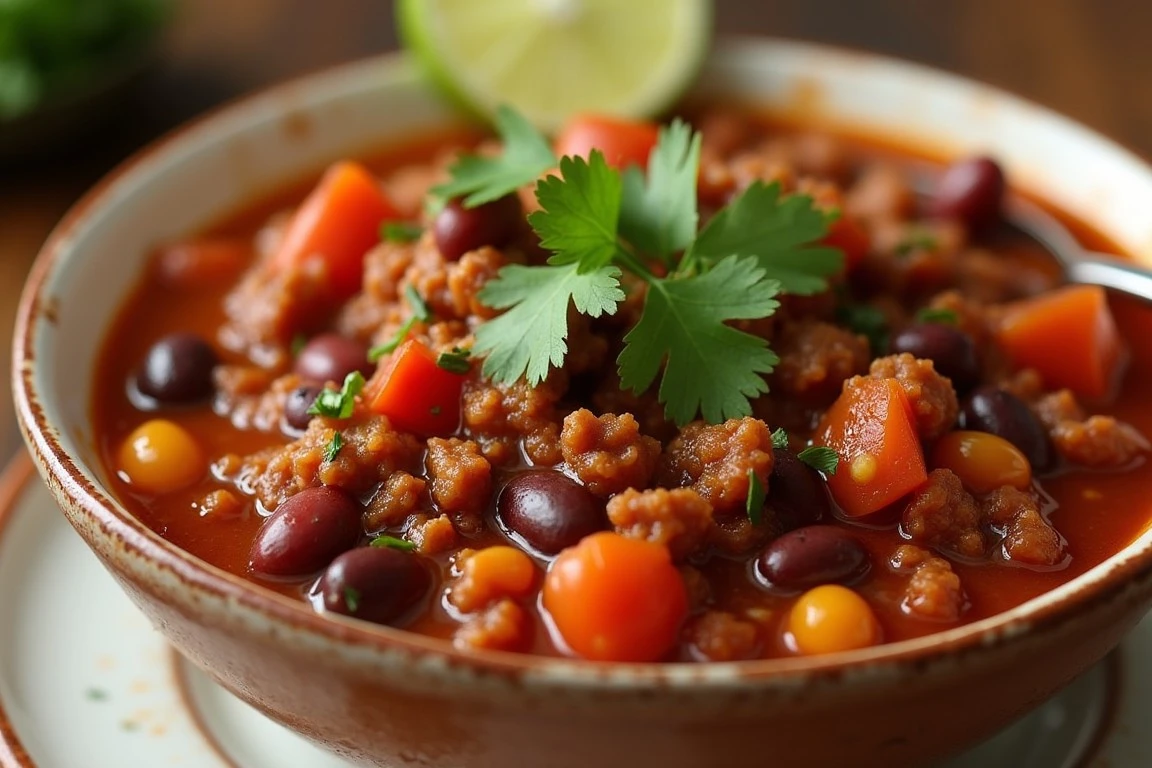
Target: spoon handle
pixel 1110 272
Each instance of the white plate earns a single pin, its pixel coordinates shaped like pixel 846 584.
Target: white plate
pixel 85 682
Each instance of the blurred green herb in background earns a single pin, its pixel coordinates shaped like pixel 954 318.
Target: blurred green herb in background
pixel 51 47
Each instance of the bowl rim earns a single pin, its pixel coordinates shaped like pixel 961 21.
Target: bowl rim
pixel 143 548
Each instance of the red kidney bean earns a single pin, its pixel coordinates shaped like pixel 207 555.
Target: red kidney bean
pixel 990 409
pixel 296 416
pixel 949 348
pixel 811 556
pixel 375 584
pixel 331 357
pixel 177 370
pixel 305 533
pixel 548 511
pixel 458 230
pixel 796 492
pixel 971 190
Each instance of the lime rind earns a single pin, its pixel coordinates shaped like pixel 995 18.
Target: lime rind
pixel 629 59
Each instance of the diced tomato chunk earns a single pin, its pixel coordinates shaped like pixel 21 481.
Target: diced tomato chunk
pixel 415 393
pixel 623 142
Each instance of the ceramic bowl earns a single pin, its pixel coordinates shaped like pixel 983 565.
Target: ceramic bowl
pixel 382 696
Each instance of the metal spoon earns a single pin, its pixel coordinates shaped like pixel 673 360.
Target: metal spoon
pixel 1080 265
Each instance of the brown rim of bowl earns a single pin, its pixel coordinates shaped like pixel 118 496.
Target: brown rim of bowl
pixel 1106 580
pixel 13 481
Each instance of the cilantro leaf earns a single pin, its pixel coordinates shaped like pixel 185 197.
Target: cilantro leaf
pixel 580 212
pixel 660 217
pixel 937 315
pixel 531 335
pixel 526 156
pixel 420 312
pixel 821 458
pixel 780 233
pixel 710 367
pixel 392 542
pixel 338 405
pixel 332 450
pixel 352 599
pixel 754 504
pixel 868 321
pixel 400 232
pixel 780 439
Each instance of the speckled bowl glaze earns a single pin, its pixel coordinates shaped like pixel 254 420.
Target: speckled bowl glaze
pixel 382 696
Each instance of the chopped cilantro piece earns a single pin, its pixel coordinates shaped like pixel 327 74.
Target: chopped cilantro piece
pixel 352 599
pixel 455 361
pixel 299 341
pixel 821 458
pixel 917 240
pixel 527 154
pixel 400 232
pixel 392 542
pixel 338 405
pixel 754 504
pixel 332 450
pixel 868 321
pixel 417 304
pixel 934 315
pixel 420 312
pixel 780 439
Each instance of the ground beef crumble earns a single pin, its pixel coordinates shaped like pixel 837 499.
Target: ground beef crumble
pixel 721 636
pixel 1028 537
pixel 714 460
pixel 431 535
pixel 499 416
pixel 942 515
pixel 679 519
pixel 502 626
pixel 608 453
pixel 460 481
pixel 816 358
pixel 393 502
pixel 930 394
pixel 933 591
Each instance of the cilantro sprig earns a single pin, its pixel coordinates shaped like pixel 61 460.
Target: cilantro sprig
pixel 599 223
pixel 338 405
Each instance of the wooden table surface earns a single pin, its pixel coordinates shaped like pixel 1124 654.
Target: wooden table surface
pixel 1088 58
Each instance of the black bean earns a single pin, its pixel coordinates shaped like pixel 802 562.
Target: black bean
pixel 811 556
pixel 548 511
pixel 458 230
pixel 796 492
pixel 971 190
pixel 331 357
pixel 305 533
pixel 952 351
pixel 296 416
pixel 376 584
pixel 994 410
pixel 178 369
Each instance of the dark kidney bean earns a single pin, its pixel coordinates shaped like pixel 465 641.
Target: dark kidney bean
pixel 952 351
pixel 811 556
pixel 458 230
pixel 796 492
pixel 296 415
pixel 305 533
pixel 374 583
pixel 548 510
pixel 970 190
pixel 178 369
pixel 994 410
pixel 331 357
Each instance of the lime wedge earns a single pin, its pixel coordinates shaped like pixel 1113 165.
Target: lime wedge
pixel 554 58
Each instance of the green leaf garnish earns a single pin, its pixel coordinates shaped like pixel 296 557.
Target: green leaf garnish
pixel 332 450
pixel 868 321
pixel 754 504
pixel 917 240
pixel 392 542
pixel 455 361
pixel 780 439
pixel 400 232
pixel 659 217
pixel 420 312
pixel 338 405
pixel 299 341
pixel 532 334
pixel 934 315
pixel 779 233
pixel 527 154
pixel 709 366
pixel 352 599
pixel 821 458
pixel 599 223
